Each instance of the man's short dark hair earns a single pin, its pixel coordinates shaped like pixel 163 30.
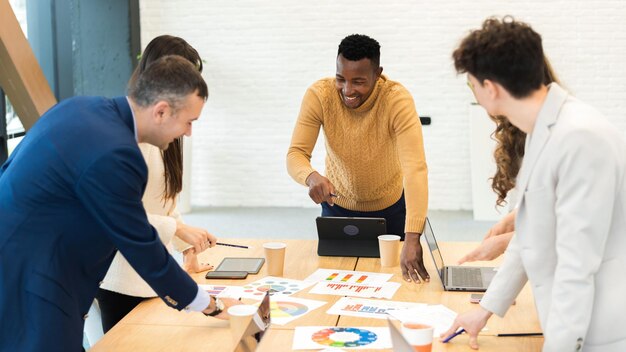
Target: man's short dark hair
pixel 504 51
pixel 358 46
pixel 170 78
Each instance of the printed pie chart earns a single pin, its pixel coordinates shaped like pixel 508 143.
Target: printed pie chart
pixel 272 287
pixel 287 309
pixel 344 337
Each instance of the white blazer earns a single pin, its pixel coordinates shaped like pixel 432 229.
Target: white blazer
pixel 121 277
pixel 571 229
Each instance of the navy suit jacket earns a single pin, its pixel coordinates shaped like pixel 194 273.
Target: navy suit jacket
pixel 70 195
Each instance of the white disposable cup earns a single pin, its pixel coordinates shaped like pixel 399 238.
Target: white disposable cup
pixel 275 257
pixel 240 317
pixel 389 246
pixel 419 335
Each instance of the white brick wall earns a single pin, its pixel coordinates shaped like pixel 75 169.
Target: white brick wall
pixel 261 56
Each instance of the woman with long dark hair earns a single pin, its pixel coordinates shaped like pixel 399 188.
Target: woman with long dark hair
pixel 122 289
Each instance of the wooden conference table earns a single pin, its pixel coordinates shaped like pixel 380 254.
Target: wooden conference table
pixel 153 326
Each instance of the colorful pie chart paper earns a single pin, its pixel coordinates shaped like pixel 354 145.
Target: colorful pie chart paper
pixel 285 309
pixel 347 338
pixel 276 286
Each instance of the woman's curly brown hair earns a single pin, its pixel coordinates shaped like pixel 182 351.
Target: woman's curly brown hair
pixel 508 155
pixel 509 152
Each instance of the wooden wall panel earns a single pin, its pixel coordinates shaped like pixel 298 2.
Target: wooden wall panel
pixel 21 76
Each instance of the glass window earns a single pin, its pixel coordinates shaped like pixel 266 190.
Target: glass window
pixel 14 125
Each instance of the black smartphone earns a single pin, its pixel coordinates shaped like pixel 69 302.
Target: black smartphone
pixel 226 275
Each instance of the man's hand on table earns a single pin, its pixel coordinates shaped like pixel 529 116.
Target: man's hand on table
pixel 411 260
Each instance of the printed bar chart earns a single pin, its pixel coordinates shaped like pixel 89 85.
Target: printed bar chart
pixel 385 290
pixel 332 276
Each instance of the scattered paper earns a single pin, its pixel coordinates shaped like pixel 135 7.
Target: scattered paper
pixel 323 337
pixel 223 290
pixel 438 316
pixel 368 308
pixel 385 290
pixel 276 286
pixel 346 276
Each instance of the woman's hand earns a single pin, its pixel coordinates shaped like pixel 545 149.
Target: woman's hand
pixel 191 264
pixel 491 248
pixel 199 238
pixel 505 225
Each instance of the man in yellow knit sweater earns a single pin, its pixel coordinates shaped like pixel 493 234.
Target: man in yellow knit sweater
pixel 375 164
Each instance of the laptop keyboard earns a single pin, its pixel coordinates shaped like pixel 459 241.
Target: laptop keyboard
pixel 466 277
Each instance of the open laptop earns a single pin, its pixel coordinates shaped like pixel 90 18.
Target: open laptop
pixel 457 278
pixel 349 237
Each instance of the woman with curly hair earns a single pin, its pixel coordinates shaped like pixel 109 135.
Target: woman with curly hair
pixel 509 152
pixel 570 215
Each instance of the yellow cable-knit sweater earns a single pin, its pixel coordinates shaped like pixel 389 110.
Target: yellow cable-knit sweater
pixel 374 152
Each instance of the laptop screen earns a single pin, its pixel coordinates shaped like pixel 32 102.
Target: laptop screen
pixel 434 248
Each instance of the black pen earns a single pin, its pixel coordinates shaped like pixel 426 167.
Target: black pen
pixel 520 334
pixel 231 245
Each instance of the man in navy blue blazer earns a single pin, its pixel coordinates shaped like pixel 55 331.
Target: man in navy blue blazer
pixel 70 195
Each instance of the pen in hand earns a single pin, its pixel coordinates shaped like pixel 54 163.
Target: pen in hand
pixel 447 339
pixel 231 245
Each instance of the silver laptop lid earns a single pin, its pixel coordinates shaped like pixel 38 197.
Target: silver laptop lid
pixel 434 248
pixel 252 334
pixel 399 343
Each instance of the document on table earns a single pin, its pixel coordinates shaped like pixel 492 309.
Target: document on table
pixel 276 286
pixel 223 290
pixel 383 290
pixel 347 276
pixel 369 308
pixel 350 338
pixel 438 316
pixel 284 309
